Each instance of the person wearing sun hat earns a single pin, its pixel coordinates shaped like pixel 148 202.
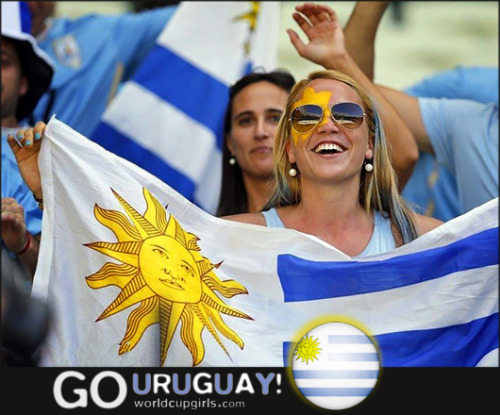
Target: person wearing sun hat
pixel 26 74
pixel 36 65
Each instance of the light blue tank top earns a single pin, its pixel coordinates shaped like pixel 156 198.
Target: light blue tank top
pixel 382 239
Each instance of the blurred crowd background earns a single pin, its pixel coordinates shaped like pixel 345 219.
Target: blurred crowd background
pixel 415 38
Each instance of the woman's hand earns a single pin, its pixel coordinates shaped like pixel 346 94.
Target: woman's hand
pixel 26 147
pixel 13 225
pixel 324 33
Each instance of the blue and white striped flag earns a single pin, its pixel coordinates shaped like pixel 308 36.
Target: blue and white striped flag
pixel 169 118
pixel 139 276
pixel 335 365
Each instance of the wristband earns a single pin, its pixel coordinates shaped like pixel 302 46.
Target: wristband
pixel 39 201
pixel 27 245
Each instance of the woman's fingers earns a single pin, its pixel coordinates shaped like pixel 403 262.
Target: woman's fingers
pixel 38 130
pixel 28 137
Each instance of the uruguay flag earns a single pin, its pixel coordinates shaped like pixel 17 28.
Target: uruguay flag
pixel 168 119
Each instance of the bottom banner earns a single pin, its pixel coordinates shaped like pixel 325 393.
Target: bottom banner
pixel 241 390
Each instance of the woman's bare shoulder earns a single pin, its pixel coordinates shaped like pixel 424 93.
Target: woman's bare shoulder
pixel 427 223
pixel 252 218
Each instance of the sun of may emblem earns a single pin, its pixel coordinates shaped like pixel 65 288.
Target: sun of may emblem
pixel 307 349
pixel 163 271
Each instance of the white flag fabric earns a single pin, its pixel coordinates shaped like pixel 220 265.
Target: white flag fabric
pixel 168 119
pixel 139 276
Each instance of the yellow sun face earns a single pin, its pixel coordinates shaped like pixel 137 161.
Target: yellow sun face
pixel 307 349
pixel 170 270
pixel 163 271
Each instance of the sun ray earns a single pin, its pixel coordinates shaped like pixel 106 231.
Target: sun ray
pixel 155 213
pixel 191 331
pixel 213 301
pixel 170 314
pixel 199 311
pixel 138 321
pixel 134 292
pixel 118 223
pixel 229 289
pixel 143 226
pixel 224 328
pixel 112 274
pixel 192 242
pixel 122 251
pixel 175 230
pixel 204 266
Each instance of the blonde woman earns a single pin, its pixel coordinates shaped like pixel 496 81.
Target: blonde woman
pixel 334 177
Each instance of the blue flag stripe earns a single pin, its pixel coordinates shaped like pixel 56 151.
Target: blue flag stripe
pixel 192 86
pixel 304 280
pixel 348 339
pixel 108 137
pixel 461 345
pixel 335 374
pixel 25 16
pixel 335 391
pixel 353 357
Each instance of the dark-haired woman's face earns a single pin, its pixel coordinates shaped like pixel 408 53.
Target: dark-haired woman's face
pixel 257 109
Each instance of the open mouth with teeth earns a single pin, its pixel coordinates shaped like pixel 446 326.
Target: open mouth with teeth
pixel 328 148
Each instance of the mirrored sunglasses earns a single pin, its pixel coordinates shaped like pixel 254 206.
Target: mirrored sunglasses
pixel 345 114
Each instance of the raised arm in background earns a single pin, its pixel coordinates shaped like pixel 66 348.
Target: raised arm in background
pixel 360 33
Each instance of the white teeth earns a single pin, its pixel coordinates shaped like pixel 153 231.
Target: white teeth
pixel 329 147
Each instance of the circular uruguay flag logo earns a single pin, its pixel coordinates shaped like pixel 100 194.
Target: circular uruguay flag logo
pixel 335 365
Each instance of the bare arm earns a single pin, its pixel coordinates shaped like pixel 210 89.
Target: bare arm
pixel 360 32
pixel 326 47
pixel 409 110
pixel 16 237
pixel 426 224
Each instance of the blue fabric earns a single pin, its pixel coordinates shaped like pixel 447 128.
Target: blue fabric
pixel 441 347
pixel 180 94
pixel 432 189
pixel 382 239
pixel 464 135
pixel 272 219
pixel 304 280
pixel 25 17
pixel 476 83
pixel 89 53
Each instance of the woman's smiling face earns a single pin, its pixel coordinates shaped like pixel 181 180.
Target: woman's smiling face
pixel 329 151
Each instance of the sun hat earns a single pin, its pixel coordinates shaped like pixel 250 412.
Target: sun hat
pixel 35 63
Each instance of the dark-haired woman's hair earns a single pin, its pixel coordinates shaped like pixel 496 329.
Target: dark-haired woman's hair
pixel 233 196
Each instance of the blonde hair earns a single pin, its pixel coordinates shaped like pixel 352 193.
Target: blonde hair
pixel 378 189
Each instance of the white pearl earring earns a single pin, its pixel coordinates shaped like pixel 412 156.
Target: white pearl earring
pixel 292 172
pixel 232 161
pixel 369 167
